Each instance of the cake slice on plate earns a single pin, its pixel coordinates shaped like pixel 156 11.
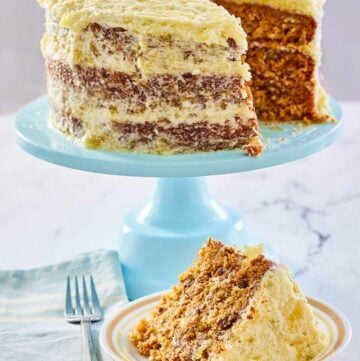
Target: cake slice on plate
pixel 284 56
pixel 233 305
pixel 152 76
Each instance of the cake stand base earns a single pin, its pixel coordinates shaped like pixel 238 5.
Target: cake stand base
pixel 160 240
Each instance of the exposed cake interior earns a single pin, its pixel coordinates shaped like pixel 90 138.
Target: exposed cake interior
pixel 231 305
pixel 149 76
pixel 284 56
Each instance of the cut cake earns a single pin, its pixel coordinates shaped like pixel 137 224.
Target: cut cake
pixel 231 305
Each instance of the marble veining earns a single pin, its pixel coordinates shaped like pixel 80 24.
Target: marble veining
pixel 306 212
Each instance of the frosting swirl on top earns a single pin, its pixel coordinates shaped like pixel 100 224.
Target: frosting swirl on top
pixel 199 20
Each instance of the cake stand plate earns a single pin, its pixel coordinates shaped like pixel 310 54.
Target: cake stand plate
pixel 283 143
pixel 160 239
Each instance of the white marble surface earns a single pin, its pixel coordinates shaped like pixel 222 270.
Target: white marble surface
pixel 308 210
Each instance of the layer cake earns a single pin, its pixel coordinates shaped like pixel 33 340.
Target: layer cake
pixel 231 305
pixel 284 56
pixel 152 76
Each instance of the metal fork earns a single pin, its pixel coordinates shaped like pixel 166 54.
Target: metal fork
pixel 83 313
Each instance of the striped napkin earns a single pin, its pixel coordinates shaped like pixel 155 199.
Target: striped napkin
pixel 32 324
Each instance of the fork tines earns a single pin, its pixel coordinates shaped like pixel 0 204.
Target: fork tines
pixel 83 310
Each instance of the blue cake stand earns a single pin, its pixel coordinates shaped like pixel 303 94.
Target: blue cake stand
pixel 160 239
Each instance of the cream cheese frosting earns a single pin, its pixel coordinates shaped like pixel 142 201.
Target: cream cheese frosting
pixel 66 46
pixel 199 20
pixel 95 112
pixel 281 315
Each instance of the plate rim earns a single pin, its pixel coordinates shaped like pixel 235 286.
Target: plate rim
pixel 335 312
pixel 115 313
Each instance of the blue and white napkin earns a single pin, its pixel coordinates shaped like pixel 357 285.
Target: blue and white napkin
pixel 32 324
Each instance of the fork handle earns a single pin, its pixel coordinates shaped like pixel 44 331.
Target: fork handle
pixel 89 349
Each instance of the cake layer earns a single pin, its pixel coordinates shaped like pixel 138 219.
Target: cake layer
pixel 117 49
pixel 312 8
pixel 171 88
pixel 283 85
pixel 197 20
pixel 284 56
pixel 266 24
pixel 160 137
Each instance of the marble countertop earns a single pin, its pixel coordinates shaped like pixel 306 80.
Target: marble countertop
pixel 307 211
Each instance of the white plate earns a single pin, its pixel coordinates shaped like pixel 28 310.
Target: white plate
pixel 114 341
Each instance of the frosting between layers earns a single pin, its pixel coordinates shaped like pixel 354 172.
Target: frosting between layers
pixel 312 8
pixel 64 45
pixel 199 20
pixel 131 53
pixel 97 112
pixel 169 88
pixel 160 138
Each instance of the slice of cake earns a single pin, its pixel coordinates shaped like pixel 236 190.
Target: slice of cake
pixel 231 305
pixel 284 56
pixel 153 76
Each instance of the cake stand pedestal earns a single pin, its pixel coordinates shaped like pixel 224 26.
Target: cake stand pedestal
pixel 160 239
